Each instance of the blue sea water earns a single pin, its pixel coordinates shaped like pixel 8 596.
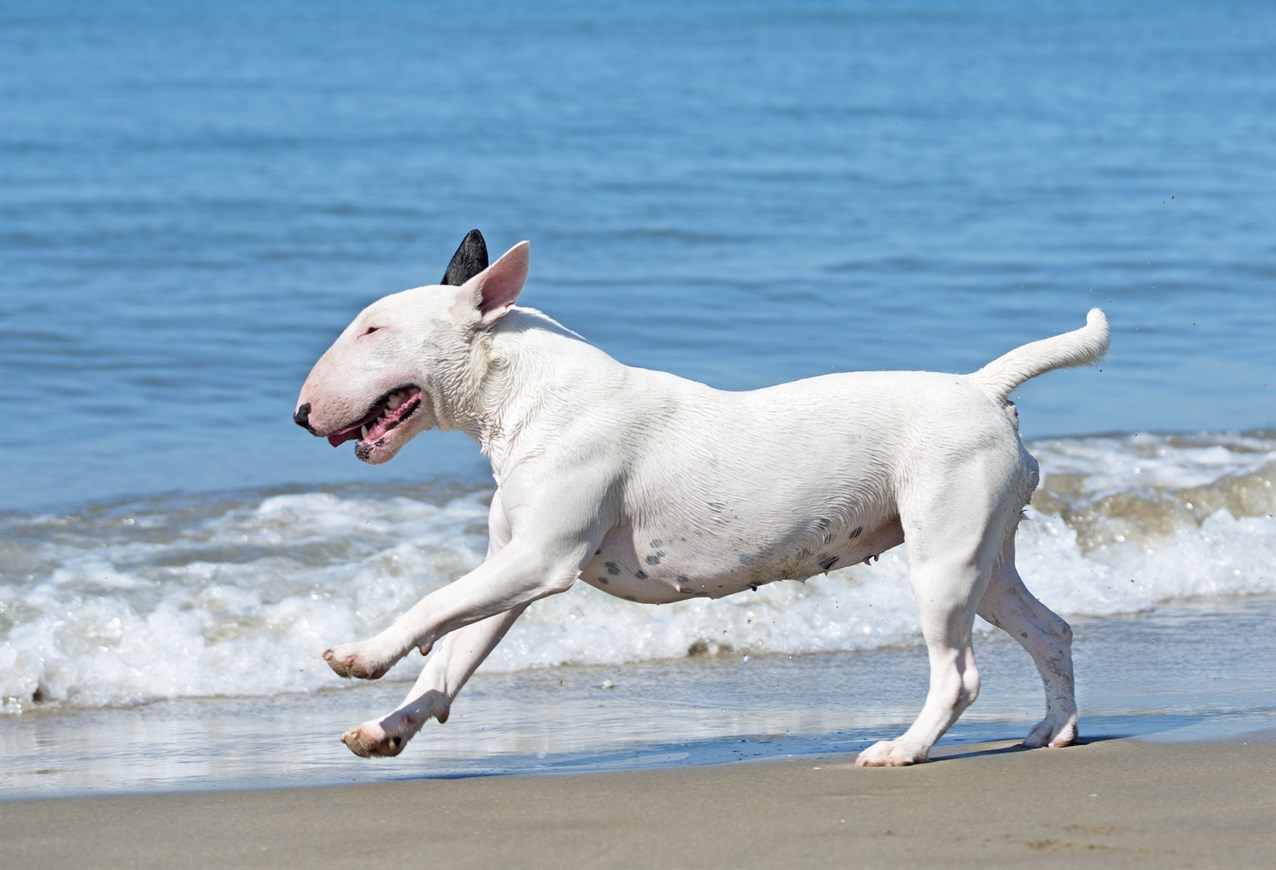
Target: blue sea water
pixel 196 197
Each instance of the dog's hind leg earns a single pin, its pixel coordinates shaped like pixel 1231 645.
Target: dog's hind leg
pixel 946 592
pixel 446 671
pixel 1009 605
pixel 952 532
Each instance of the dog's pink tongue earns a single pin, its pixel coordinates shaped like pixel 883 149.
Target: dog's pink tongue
pixel 336 439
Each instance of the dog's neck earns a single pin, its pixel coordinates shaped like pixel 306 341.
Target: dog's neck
pixel 491 400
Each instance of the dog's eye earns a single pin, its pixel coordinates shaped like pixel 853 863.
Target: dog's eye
pixel 370 330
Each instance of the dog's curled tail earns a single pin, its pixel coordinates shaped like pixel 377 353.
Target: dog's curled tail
pixel 1084 346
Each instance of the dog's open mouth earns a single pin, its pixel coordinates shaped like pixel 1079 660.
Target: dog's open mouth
pixel 388 412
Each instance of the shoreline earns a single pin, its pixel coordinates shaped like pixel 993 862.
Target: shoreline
pixel 1117 801
pixel 697 711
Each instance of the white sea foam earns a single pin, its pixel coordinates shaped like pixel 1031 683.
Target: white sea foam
pixel 238 596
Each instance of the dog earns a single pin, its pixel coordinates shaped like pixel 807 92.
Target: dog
pixel 656 489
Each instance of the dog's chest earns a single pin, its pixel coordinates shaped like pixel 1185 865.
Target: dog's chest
pixel 655 566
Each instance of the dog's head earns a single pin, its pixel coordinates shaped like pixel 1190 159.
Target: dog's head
pixel 406 363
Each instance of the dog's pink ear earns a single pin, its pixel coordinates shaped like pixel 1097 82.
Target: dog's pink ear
pixel 496 288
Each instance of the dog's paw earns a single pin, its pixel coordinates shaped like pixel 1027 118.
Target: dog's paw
pixel 370 740
pixel 388 737
pixel 891 753
pixel 349 660
pixel 1053 731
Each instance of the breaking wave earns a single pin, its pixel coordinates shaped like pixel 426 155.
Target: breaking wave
pixel 237 595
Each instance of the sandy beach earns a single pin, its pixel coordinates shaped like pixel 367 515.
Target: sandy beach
pixel 1108 803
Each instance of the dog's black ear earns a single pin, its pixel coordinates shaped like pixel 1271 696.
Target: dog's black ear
pixel 470 259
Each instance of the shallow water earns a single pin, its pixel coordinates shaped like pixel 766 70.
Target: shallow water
pixel 1195 670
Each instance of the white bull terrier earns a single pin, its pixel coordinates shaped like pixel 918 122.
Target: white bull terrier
pixel 657 489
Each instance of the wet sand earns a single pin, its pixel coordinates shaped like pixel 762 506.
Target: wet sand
pixel 1108 803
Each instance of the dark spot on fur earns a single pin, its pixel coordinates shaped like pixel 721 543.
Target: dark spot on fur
pixel 604 581
pixel 640 574
pixel 827 562
pixel 657 544
pixel 683 578
pixel 753 586
pixel 746 558
pixel 612 568
pixel 858 531
pixel 653 559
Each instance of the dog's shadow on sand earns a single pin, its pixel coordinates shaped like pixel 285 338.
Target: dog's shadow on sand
pixel 1102 729
pixel 1014 748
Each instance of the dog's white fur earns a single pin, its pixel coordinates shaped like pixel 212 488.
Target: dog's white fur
pixel 657 489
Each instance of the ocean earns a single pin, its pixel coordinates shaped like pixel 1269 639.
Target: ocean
pixel 196 198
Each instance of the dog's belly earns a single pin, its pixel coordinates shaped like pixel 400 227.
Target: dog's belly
pixel 662 565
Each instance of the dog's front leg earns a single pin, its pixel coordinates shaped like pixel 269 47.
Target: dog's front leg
pixel 445 673
pixel 514 577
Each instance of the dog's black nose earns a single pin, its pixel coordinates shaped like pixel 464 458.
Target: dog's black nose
pixel 302 417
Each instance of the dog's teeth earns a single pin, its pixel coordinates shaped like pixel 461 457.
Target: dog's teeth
pixel 395 401
pixel 364 430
